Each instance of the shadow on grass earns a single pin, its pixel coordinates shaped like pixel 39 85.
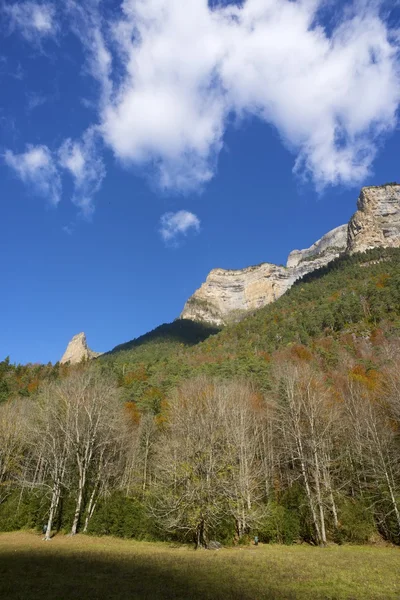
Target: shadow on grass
pixel 43 575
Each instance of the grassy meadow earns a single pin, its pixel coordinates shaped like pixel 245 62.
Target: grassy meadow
pixel 106 568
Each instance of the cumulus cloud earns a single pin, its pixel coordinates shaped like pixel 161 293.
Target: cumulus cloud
pixel 174 225
pixel 184 68
pixel 82 160
pixel 34 20
pixel 37 168
pixel 40 168
pixel 173 75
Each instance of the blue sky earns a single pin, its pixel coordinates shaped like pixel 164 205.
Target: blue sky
pixel 145 142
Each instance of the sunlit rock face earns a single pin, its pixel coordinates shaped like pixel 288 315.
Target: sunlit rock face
pixel 326 249
pixel 377 220
pixel 78 350
pixel 227 294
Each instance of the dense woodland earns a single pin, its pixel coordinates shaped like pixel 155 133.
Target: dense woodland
pixel 284 425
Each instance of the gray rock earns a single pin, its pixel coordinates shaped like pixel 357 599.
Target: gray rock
pixel 377 220
pixel 213 545
pixel 78 350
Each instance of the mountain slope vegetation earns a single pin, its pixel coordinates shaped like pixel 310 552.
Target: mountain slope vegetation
pixel 353 295
pixel 285 424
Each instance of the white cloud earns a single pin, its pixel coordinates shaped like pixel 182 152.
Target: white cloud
pixel 34 20
pixel 172 75
pixel 186 68
pixel 36 168
pixel 35 100
pixel 40 168
pixel 82 160
pixel 174 225
pixel 87 24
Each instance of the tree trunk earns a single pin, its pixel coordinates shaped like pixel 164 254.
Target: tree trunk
pixel 53 508
pixel 308 492
pixel 81 487
pixel 201 541
pixel 91 507
pixel 319 497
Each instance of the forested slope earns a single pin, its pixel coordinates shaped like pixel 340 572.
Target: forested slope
pixel 284 425
pixel 356 295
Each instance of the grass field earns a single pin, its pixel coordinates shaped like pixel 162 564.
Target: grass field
pixel 87 568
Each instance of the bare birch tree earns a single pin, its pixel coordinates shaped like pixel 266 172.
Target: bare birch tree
pixel 306 417
pixel 76 435
pixel 94 431
pixel 50 444
pixel 244 486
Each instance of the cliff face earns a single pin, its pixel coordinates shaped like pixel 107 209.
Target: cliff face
pixel 78 350
pixel 327 248
pixel 226 294
pixel 377 220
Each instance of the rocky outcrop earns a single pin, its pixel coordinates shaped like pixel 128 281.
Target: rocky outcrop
pixel 328 247
pixel 377 220
pixel 227 294
pixel 78 350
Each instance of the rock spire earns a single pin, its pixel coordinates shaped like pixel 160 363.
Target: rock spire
pixel 78 350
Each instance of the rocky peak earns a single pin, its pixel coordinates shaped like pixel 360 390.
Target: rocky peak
pixel 377 220
pixel 227 294
pixel 78 350
pixel 329 246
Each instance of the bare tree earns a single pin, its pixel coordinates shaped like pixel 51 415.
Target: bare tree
pixel 208 464
pixel 306 416
pixel 244 486
pixel 94 431
pixel 12 444
pixel 376 441
pixel 50 444
pixel 190 467
pixel 76 433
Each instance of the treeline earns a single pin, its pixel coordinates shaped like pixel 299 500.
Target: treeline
pixel 313 455
pixel 24 380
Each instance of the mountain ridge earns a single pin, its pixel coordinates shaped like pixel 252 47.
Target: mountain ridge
pixel 227 294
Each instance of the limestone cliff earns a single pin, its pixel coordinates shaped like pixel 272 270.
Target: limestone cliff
pixel 78 350
pixel 327 248
pixel 377 220
pixel 227 294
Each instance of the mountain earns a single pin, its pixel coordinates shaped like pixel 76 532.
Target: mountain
pixel 180 332
pixel 78 350
pixel 353 301
pixel 228 294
